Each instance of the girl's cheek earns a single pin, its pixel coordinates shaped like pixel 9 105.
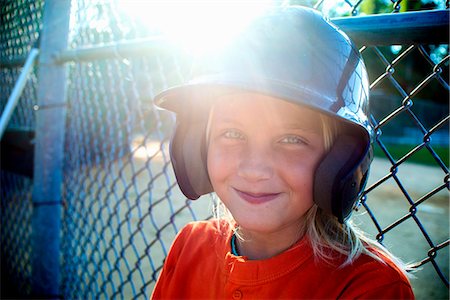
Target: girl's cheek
pixel 219 162
pixel 292 158
pixel 303 156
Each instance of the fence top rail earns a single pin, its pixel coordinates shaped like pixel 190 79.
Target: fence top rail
pixel 420 27
pixel 114 50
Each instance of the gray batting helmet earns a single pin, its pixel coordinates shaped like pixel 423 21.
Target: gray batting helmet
pixel 295 54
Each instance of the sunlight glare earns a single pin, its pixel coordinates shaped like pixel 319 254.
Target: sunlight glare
pixel 147 149
pixel 198 26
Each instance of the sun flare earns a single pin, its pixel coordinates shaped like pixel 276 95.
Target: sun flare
pixel 198 26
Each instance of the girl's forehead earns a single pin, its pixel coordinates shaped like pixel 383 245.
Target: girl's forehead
pixel 248 107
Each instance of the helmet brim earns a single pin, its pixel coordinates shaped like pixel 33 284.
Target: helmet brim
pixel 195 98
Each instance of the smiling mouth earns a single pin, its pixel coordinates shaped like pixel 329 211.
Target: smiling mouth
pixel 256 198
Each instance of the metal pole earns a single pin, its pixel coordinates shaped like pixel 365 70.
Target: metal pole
pixel 48 156
pixel 17 91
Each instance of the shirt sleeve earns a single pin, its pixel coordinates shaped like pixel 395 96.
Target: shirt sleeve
pixel 163 283
pixel 397 290
pixel 377 280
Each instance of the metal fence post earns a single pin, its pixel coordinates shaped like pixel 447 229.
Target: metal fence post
pixel 49 149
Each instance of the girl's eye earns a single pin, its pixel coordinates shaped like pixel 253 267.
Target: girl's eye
pixel 292 139
pixel 233 134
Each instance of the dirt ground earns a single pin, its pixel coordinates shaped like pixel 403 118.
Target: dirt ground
pixel 407 240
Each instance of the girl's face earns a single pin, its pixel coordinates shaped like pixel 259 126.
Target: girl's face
pixel 262 155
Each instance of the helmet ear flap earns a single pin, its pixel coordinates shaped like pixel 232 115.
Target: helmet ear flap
pixel 188 155
pixel 341 177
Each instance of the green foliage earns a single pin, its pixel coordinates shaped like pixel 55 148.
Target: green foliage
pixel 423 156
pixel 369 7
pixel 375 7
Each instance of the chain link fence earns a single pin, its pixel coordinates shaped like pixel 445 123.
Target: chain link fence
pixel 20 27
pixel 120 205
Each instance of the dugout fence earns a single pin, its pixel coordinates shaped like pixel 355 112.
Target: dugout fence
pixel 89 203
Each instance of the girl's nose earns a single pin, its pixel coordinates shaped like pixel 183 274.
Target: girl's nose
pixel 256 164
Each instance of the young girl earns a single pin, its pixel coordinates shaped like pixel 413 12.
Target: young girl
pixel 276 125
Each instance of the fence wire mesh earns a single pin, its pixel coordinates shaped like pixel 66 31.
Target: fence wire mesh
pixel 122 207
pixel 20 26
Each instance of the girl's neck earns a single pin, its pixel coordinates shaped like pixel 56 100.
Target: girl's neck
pixel 257 246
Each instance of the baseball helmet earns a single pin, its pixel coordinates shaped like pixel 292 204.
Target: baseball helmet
pixel 295 54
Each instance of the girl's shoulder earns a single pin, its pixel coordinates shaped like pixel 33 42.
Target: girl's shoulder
pixel 377 275
pixel 195 235
pixel 207 228
pixel 183 275
pixel 381 263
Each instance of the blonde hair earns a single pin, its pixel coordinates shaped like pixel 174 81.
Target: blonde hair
pixel 326 235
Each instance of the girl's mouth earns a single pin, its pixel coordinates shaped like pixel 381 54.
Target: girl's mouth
pixel 256 198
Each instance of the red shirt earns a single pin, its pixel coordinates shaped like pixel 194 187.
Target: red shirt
pixel 200 265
